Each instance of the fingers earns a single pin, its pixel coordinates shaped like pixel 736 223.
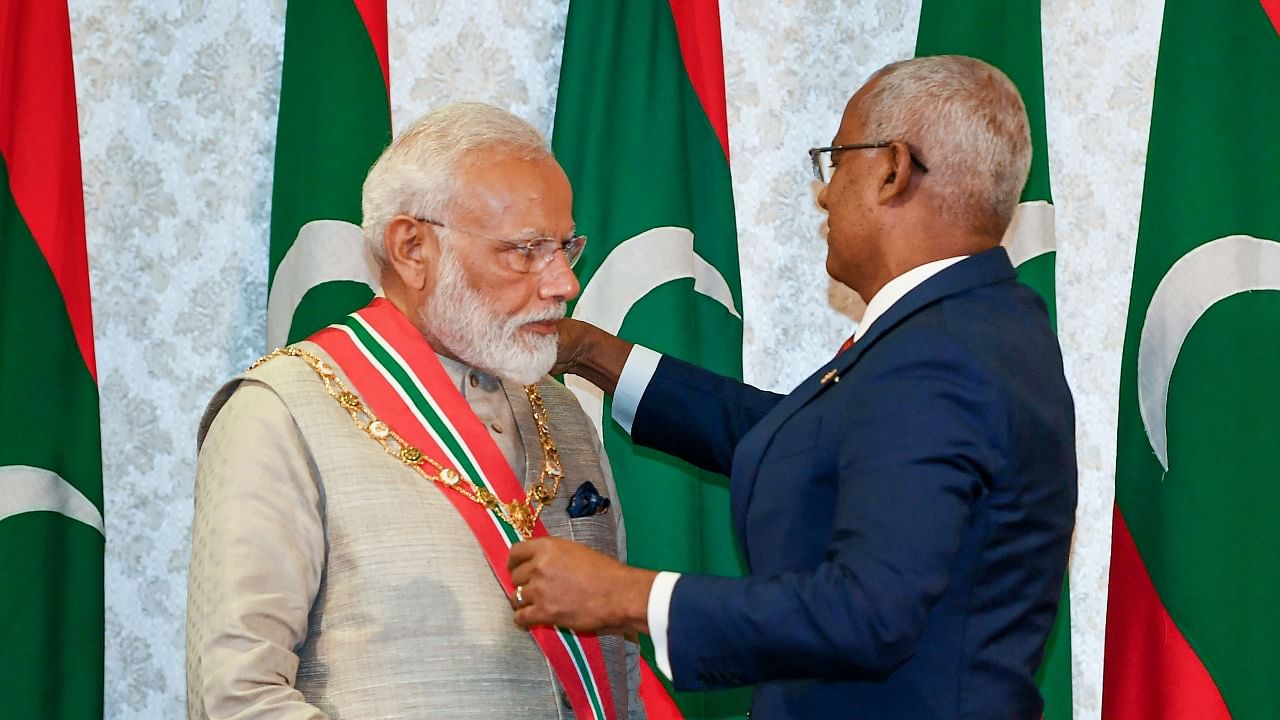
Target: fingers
pixel 522 563
pixel 534 613
pixel 525 557
pixel 537 609
pixel 560 583
pixel 527 617
pixel 568 346
pixel 520 596
pixel 522 552
pixel 534 616
pixel 523 575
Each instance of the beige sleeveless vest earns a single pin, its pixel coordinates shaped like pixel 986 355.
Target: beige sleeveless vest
pixel 408 620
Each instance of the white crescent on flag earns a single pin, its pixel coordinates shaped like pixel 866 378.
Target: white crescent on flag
pixel 324 251
pixel 1031 233
pixel 26 489
pixel 632 270
pixel 1206 275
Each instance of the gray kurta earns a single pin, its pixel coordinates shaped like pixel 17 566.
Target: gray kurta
pixel 330 581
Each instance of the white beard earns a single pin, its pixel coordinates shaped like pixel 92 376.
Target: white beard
pixel 465 323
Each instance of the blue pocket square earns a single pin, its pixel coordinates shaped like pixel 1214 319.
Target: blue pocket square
pixel 587 501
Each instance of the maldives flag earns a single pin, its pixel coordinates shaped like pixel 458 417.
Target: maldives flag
pixel 51 531
pixel 335 119
pixel 1192 627
pixel 1006 33
pixel 641 130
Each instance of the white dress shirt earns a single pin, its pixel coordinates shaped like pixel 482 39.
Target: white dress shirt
pixel 635 377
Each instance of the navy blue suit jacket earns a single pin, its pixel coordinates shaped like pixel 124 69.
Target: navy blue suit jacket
pixel 906 527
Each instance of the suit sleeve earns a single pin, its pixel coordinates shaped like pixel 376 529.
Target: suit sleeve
pixel 697 415
pixel 257 557
pixel 914 449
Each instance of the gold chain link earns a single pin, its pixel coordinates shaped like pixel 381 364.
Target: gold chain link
pixel 520 515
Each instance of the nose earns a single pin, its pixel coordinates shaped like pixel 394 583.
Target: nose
pixel 557 281
pixel 822 197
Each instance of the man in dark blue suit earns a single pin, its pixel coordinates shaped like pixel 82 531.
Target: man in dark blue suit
pixel 906 511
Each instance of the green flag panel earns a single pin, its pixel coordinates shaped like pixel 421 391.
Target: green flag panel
pixel 51 604
pixel 51 598
pixel 1203 524
pixel 334 121
pixel 641 154
pixel 1006 34
pixel 55 425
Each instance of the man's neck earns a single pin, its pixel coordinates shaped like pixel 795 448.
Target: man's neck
pixel 899 287
pixel 922 247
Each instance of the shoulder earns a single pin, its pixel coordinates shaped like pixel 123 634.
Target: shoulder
pixel 299 363
pixel 258 394
pixel 979 328
pixel 931 345
pixel 551 387
pixel 934 375
pixel 994 316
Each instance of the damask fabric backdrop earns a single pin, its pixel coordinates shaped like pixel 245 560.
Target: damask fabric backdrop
pixel 177 117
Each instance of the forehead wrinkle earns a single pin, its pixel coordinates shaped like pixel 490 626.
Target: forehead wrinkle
pixel 529 233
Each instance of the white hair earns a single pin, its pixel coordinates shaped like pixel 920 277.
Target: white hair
pixel 966 122
pixel 417 174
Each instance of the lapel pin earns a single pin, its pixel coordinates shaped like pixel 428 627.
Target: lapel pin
pixel 831 376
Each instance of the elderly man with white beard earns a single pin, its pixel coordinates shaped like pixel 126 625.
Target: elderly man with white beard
pixel 357 493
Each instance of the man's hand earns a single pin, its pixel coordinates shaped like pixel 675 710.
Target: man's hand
pixel 571 345
pixel 586 350
pixel 572 586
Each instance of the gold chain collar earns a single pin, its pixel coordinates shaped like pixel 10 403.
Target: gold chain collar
pixel 520 515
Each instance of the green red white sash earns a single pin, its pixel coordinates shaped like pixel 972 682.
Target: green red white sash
pixel 397 375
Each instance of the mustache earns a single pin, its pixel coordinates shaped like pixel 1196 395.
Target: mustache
pixel 553 312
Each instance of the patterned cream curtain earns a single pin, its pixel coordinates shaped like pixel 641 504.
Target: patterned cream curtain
pixel 177 104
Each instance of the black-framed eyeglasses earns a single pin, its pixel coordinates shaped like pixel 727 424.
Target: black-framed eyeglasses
pixel 821 157
pixel 528 255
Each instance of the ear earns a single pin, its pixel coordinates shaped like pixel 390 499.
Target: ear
pixel 897 176
pixel 412 249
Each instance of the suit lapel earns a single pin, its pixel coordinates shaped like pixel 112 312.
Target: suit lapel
pixel 986 268
pixel 528 433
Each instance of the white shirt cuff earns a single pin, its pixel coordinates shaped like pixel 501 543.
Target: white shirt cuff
pixel 635 377
pixel 659 611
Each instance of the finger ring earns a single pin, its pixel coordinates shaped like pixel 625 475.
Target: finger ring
pixel 520 595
